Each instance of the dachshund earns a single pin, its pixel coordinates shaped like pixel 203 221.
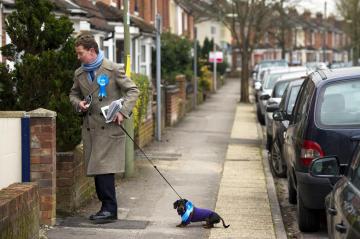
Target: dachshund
pixel 190 213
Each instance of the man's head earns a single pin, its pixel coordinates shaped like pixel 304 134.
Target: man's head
pixel 86 48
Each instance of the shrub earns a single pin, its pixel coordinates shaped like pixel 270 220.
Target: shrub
pixel 45 63
pixel 175 56
pixel 141 106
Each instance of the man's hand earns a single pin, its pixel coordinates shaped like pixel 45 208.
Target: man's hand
pixel 119 118
pixel 83 106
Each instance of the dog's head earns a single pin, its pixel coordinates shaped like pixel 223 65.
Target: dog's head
pixel 180 206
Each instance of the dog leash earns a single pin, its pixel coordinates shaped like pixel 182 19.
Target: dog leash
pixel 150 161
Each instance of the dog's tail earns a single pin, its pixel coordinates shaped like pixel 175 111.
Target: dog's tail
pixel 223 222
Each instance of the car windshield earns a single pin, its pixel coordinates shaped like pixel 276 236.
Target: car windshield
pixel 339 104
pixel 280 88
pixel 292 98
pixel 269 83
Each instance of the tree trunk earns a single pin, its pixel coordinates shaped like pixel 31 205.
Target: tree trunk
pixel 244 87
pixel 355 56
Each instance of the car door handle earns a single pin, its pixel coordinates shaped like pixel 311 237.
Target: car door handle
pixel 340 227
pixel 332 211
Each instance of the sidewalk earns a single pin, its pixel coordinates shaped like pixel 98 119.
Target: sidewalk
pixel 243 197
pixel 191 156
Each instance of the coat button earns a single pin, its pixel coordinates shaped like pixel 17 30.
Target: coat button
pixel 100 99
pixel 102 127
pixel 89 114
pixel 88 129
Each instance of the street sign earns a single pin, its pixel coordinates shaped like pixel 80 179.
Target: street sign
pixel 219 56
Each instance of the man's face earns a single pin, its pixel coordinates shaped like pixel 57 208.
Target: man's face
pixel 84 55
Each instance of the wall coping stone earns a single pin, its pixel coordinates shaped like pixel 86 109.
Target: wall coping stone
pixel 172 89
pixel 42 113
pixel 12 114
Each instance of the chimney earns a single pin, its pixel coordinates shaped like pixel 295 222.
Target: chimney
pixel 307 15
pixel 319 17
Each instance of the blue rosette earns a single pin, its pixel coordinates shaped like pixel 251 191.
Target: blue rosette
pixel 103 81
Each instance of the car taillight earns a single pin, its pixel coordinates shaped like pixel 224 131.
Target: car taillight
pixel 309 151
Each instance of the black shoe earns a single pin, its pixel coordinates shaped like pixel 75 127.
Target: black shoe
pixel 103 217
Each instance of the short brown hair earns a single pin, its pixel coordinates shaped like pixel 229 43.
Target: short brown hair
pixel 87 41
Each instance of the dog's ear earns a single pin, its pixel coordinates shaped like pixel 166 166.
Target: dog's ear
pixel 176 204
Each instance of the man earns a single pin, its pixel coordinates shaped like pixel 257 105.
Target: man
pixel 97 83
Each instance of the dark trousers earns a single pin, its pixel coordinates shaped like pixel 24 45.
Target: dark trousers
pixel 105 190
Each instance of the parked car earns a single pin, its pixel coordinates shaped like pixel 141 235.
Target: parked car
pixel 275 99
pixel 325 120
pixel 343 203
pixel 267 86
pixel 277 163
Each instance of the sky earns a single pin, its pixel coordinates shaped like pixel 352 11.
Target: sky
pixel 318 6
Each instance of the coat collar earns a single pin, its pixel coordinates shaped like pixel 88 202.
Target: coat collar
pixel 106 65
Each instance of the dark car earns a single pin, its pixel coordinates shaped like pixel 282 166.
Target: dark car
pixel 277 164
pixel 343 203
pixel 325 119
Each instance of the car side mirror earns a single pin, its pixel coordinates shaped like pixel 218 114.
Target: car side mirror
pixel 325 167
pixel 278 115
pixel 264 97
pixel 272 107
pixel 257 85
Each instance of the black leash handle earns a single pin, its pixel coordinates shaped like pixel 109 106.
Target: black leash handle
pixel 149 160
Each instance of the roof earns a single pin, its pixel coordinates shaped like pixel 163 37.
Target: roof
pixel 348 72
pixel 96 19
pixel 68 7
pixel 114 14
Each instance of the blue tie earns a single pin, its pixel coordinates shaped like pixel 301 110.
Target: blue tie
pixel 92 76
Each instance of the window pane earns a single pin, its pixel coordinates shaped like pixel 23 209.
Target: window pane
pixel 143 54
pixel 339 104
pixel 280 88
pixel 292 98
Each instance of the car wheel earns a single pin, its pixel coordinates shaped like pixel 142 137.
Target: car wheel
pixel 260 117
pixel 291 190
pixel 276 164
pixel 308 219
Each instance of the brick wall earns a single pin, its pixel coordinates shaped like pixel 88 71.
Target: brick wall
pixel 172 105
pixel 73 189
pixel 146 132
pixel 43 161
pixel 19 211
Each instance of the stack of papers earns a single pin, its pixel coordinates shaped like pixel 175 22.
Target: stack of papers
pixel 109 111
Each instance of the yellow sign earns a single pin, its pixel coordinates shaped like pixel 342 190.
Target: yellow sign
pixel 128 66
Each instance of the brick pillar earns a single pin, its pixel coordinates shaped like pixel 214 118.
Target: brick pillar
pixel 181 82
pixel 172 103
pixel 43 161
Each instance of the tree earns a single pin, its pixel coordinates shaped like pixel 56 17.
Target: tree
pixel 350 11
pixel 45 61
pixel 247 21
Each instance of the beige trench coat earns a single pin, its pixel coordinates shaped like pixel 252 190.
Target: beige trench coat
pixel 104 144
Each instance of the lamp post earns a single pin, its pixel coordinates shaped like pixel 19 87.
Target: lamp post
pixel 129 123
pixel 324 38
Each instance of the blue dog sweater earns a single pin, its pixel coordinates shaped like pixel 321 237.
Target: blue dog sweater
pixel 198 215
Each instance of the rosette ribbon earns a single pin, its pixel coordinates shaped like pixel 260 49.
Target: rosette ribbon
pixel 103 81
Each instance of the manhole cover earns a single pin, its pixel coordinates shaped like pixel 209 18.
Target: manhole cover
pixel 119 224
